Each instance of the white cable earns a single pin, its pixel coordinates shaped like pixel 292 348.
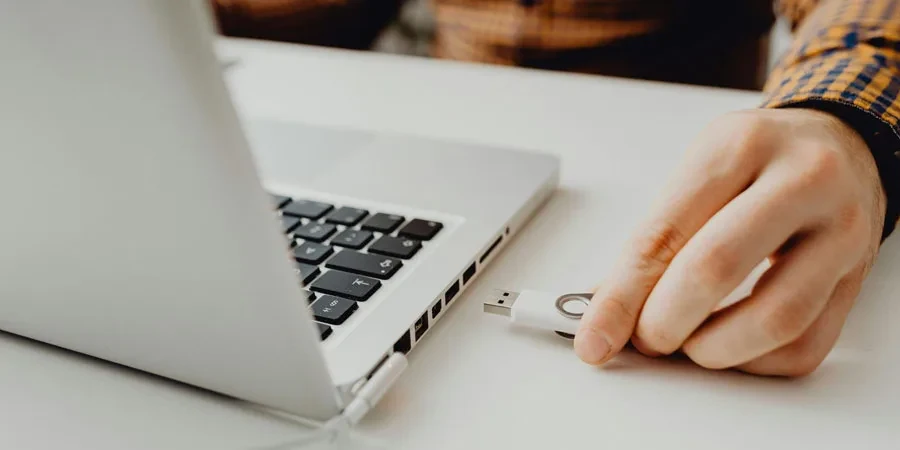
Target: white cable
pixel 340 426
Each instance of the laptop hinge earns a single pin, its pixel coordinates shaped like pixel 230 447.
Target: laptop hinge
pixel 366 392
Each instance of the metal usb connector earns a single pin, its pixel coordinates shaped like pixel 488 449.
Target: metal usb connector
pixel 501 302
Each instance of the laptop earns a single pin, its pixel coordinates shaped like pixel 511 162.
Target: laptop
pixel 145 223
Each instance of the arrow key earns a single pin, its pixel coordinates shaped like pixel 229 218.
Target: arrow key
pixel 311 252
pixel 333 310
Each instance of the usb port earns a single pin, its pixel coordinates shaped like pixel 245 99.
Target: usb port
pixel 469 273
pixel 404 343
pixel 436 309
pixel 421 325
pixel 451 292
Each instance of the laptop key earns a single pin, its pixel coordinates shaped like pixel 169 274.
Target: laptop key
pixel 306 272
pixel 307 208
pixel 280 201
pixel 397 247
pixel 346 216
pixel 384 223
pixel 288 223
pixel 346 285
pixel 310 295
pixel 350 238
pixel 312 253
pixel 376 266
pixel 333 310
pixel 324 331
pixel 314 231
pixel 422 230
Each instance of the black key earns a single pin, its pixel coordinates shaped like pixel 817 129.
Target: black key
pixel 364 264
pixel 346 285
pixel 306 272
pixel 355 239
pixel 310 295
pixel 312 253
pixel 333 310
pixel 382 222
pixel 346 216
pixel 280 201
pixel 398 247
pixel 288 223
pixel 315 231
pixel 324 331
pixel 307 208
pixel 422 230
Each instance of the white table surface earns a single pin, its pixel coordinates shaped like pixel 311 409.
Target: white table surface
pixel 475 382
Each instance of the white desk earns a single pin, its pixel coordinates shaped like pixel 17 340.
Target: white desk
pixel 475 383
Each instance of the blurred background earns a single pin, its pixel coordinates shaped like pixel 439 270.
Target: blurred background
pixel 408 27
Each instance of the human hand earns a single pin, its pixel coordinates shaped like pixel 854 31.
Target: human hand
pixel 796 186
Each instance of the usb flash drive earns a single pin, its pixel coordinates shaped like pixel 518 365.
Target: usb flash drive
pixel 551 312
pixel 562 312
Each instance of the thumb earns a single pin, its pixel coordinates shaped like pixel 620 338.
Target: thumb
pixel 609 321
pixel 607 325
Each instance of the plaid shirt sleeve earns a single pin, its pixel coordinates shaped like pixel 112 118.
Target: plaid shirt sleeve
pixel 846 61
pixel 334 23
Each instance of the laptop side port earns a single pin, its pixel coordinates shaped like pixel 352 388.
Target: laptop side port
pixel 404 344
pixel 469 273
pixel 421 325
pixel 436 309
pixel 490 249
pixel 451 292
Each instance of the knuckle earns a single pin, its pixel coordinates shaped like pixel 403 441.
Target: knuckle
pixel 703 360
pixel 618 310
pixel 642 347
pixel 744 129
pixel 787 321
pixel 718 265
pixel 851 220
pixel 615 316
pixel 849 215
pixel 706 352
pixel 801 359
pixel 657 246
pixel 657 338
pixel 820 168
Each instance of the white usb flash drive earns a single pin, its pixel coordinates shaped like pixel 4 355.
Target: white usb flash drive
pixel 559 313
pixel 562 312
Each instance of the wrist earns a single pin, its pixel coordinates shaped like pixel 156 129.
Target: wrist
pixel 881 140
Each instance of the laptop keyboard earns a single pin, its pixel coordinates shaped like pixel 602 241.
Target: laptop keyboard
pixel 342 253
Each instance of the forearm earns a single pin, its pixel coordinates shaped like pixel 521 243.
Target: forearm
pixel 846 61
pixel 334 23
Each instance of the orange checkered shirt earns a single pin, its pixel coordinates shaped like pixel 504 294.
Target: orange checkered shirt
pixel 845 59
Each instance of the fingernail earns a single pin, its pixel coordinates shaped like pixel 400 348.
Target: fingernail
pixel 591 346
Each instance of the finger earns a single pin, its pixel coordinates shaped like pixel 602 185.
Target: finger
pixel 786 302
pixel 805 354
pixel 727 168
pixel 721 255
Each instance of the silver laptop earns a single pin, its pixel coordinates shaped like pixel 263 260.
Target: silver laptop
pixel 290 266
